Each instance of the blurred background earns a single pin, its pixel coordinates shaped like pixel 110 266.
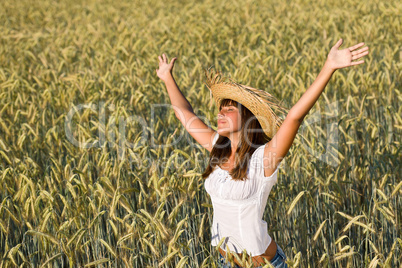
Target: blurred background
pixel 84 71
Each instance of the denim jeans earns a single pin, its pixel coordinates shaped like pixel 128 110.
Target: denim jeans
pixel 278 261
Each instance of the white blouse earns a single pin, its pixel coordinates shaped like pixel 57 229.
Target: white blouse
pixel 239 206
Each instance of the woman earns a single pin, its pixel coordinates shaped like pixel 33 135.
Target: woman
pixel 246 151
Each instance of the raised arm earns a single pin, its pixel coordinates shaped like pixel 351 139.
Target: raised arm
pixel 182 108
pixel 278 147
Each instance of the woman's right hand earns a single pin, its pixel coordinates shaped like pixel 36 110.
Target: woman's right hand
pixel 165 68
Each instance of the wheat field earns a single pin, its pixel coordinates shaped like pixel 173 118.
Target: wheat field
pixel 133 196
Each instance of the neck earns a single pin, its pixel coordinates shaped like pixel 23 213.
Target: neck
pixel 234 140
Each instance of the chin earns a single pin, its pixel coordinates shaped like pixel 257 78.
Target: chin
pixel 223 132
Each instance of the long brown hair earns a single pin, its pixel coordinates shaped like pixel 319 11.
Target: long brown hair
pixel 251 136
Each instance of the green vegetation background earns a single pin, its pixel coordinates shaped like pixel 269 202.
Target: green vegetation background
pixel 145 206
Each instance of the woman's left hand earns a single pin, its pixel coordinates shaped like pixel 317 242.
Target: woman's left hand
pixel 338 59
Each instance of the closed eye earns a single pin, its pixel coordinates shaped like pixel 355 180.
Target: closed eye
pixel 228 108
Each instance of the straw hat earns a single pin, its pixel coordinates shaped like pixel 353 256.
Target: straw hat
pixel 259 102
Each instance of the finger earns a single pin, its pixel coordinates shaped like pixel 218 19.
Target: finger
pixel 355 57
pixel 164 58
pixel 359 51
pixel 173 60
pixel 356 46
pixel 357 62
pixel 160 59
pixel 339 43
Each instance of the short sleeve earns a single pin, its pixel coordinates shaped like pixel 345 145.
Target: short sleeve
pixel 257 164
pixel 215 139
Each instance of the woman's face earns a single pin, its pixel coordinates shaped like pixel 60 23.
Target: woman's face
pixel 229 120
